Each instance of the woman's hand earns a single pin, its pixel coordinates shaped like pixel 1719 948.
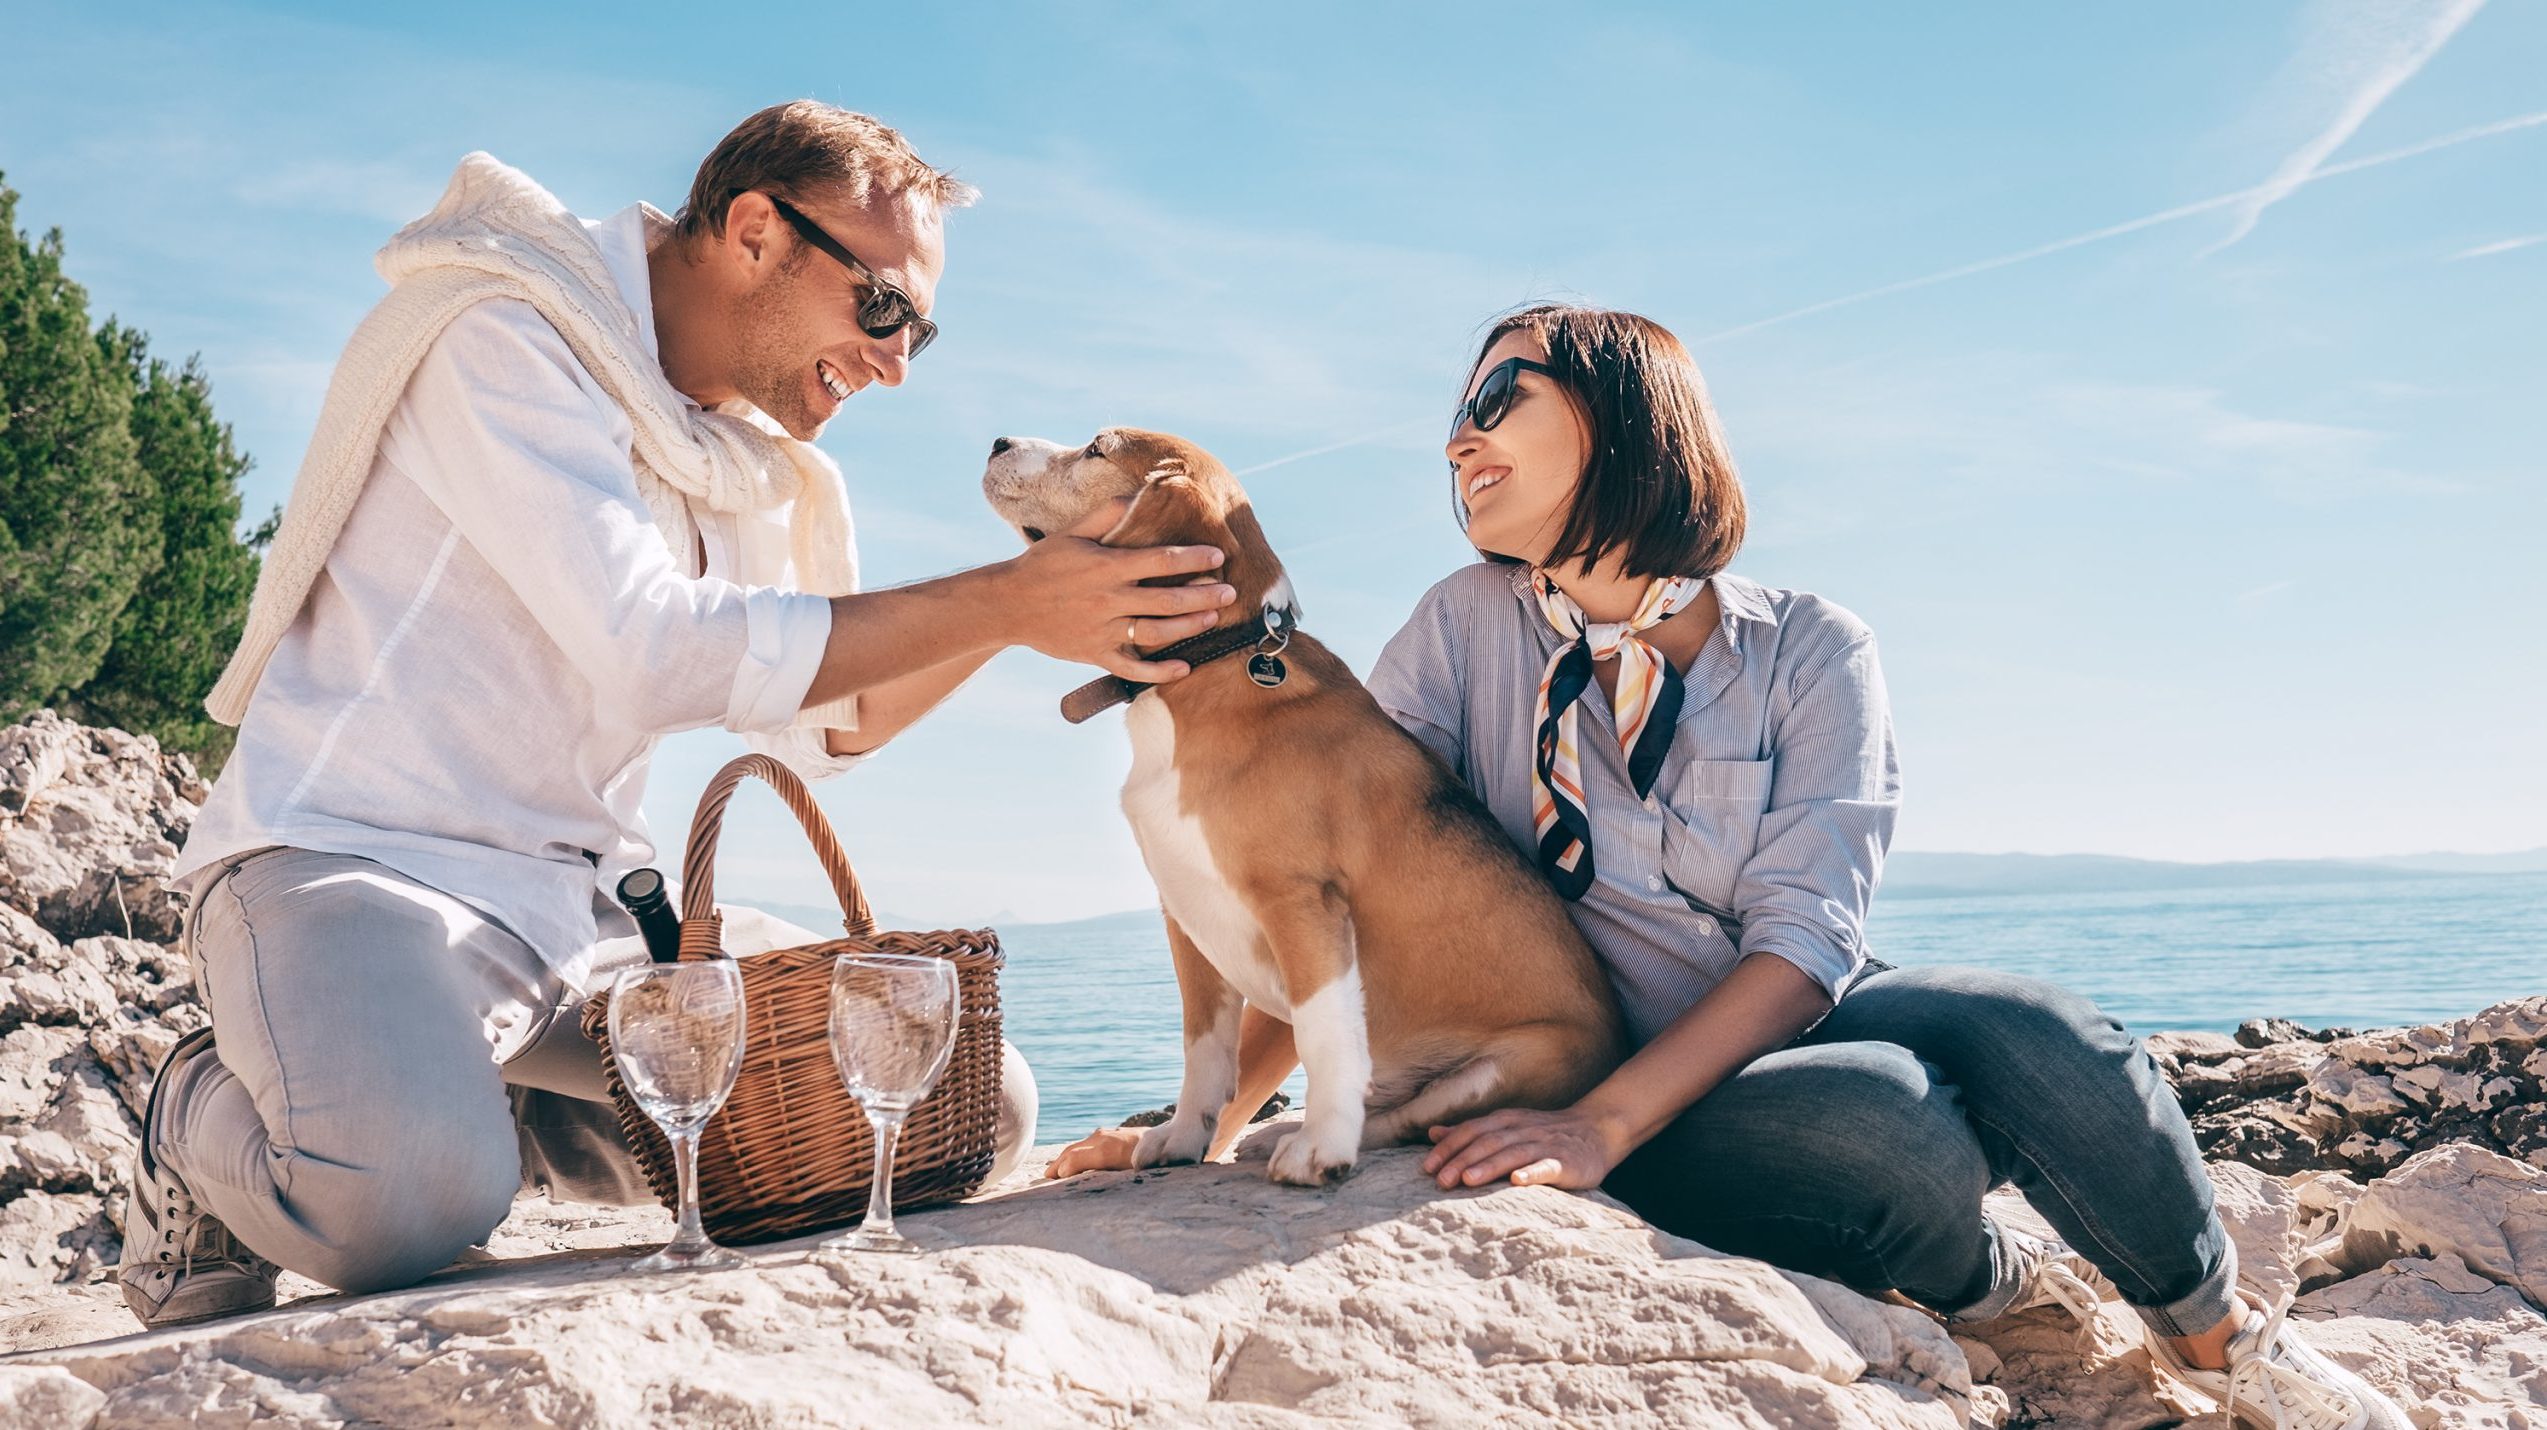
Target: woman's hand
pixel 1568 1148
pixel 1108 1149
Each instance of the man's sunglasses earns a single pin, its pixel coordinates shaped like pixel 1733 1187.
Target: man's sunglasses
pixel 885 310
pixel 1494 395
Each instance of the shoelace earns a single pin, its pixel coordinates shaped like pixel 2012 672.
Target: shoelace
pixel 199 1239
pixel 2073 1292
pixel 2290 1395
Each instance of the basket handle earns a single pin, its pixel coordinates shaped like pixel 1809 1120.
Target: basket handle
pixel 701 928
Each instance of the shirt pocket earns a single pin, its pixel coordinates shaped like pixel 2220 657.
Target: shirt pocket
pixel 1712 826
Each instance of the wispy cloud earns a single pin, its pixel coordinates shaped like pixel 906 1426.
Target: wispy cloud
pixel 2148 221
pixel 1408 428
pixel 2362 51
pixel 1964 440
pixel 2488 250
pixel 378 190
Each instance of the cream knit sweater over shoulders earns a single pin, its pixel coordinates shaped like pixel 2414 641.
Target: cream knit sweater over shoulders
pixel 495 233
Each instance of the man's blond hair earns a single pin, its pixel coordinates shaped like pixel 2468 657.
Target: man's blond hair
pixel 805 149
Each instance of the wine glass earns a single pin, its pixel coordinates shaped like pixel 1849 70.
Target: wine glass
pixel 892 1030
pixel 676 1030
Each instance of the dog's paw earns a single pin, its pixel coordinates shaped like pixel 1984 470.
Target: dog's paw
pixel 1300 1161
pixel 1176 1140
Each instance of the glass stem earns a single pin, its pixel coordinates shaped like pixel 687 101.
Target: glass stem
pixel 685 1155
pixel 888 1129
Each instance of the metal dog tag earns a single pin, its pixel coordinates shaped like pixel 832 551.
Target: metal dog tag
pixel 1267 670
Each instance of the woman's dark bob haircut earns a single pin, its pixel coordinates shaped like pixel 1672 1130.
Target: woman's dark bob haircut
pixel 1658 488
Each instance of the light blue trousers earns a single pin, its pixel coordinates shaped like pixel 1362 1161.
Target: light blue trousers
pixel 394 1067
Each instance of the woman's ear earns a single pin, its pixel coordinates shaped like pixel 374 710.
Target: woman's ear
pixel 1171 509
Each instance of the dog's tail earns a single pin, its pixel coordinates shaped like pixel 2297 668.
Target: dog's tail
pixel 1445 1092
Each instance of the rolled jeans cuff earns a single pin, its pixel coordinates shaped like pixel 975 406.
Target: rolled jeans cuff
pixel 2207 1304
pixel 2004 1286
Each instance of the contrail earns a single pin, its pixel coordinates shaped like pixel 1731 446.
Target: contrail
pixel 2390 60
pixel 2488 250
pixel 1364 440
pixel 2009 260
pixel 2181 211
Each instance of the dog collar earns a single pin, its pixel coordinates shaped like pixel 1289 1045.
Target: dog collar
pixel 1267 635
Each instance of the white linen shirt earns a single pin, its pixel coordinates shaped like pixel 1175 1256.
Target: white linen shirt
pixel 477 681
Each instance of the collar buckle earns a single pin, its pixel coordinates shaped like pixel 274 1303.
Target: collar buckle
pixel 1280 622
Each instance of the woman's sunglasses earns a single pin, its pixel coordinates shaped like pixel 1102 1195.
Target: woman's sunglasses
pixel 1494 395
pixel 885 310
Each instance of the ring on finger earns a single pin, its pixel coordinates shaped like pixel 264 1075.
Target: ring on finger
pixel 1131 632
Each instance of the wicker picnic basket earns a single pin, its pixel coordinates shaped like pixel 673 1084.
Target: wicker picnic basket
pixel 791 1151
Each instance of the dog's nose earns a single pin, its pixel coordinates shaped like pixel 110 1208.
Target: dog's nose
pixel 1000 444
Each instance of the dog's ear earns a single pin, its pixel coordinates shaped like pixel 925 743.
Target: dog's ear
pixel 1171 509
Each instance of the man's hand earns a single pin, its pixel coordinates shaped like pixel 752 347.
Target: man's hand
pixel 1078 601
pixel 1568 1148
pixel 1067 596
pixel 1108 1149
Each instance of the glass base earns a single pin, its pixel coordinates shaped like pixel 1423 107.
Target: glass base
pixel 866 1239
pixel 706 1256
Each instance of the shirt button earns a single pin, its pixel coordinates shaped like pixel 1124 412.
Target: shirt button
pixel 1654 882
pixel 1649 803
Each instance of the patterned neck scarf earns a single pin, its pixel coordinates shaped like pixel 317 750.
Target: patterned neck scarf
pixel 1647 706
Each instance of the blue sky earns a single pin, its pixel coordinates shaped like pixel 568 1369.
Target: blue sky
pixel 2217 536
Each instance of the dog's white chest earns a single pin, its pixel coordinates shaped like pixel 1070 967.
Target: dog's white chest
pixel 1179 856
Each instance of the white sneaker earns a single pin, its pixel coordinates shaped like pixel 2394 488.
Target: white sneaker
pixel 2050 1273
pixel 180 1263
pixel 2276 1380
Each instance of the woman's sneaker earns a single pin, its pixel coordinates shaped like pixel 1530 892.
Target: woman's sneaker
pixel 2050 1273
pixel 2276 1380
pixel 2046 1273
pixel 180 1263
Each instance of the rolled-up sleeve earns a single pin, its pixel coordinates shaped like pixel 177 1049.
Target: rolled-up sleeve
pixel 783 636
pixel 1835 794
pixel 1419 682
pixel 804 746
pixel 507 434
pixel 804 750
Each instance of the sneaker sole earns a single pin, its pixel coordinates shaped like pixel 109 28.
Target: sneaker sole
pixel 194 1314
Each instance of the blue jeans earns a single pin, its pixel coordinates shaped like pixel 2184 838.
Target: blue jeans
pixel 1860 1152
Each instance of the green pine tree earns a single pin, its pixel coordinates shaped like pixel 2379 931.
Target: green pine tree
pixel 172 639
pixel 123 581
pixel 76 529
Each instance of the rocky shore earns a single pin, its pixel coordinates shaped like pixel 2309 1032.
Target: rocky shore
pixel 2395 1180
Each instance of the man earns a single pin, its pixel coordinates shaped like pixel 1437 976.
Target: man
pixel 561 502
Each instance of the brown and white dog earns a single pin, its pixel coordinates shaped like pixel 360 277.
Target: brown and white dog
pixel 1316 861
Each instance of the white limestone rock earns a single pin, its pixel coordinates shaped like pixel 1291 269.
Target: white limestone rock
pixel 89 824
pixel 2455 1348
pixel 48 1396
pixel 2365 1102
pixel 1203 1296
pixel 2481 1208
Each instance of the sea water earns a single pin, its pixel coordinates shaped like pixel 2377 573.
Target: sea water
pixel 1093 1005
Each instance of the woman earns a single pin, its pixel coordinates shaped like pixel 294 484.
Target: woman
pixel 1705 768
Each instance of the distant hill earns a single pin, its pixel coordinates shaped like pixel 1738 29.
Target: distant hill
pixel 2524 861
pixel 827 920
pixel 1920 875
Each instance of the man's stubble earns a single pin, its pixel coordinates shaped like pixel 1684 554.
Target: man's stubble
pixel 775 348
